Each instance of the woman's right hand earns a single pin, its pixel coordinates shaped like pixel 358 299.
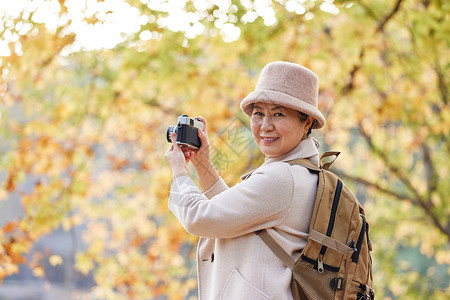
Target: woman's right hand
pixel 207 173
pixel 200 157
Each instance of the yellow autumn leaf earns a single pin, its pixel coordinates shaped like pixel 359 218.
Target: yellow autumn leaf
pixel 55 260
pixel 38 271
pixel 68 113
pixel 84 263
pixel 3 194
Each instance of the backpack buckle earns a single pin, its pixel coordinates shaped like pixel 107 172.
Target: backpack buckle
pixel 360 296
pixel 372 294
pixel 369 294
pixel 337 283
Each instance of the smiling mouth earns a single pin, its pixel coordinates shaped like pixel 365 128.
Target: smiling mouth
pixel 269 139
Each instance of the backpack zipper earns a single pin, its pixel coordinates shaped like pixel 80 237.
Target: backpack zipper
pixel 355 255
pixel 336 198
pixel 320 264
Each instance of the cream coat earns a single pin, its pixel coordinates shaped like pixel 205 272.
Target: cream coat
pixel 233 262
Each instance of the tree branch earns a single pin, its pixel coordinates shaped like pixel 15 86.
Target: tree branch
pixel 443 87
pixel 418 199
pixel 396 8
pixel 395 195
pixel 368 10
pixel 394 169
pixel 350 84
pixel 376 186
pixel 430 171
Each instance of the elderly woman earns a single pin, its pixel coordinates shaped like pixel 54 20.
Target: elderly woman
pixel 233 262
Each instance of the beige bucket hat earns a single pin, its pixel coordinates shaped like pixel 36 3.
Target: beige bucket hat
pixel 289 85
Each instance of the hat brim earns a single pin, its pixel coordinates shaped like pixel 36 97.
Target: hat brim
pixel 283 99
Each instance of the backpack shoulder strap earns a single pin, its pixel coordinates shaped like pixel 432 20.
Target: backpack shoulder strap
pixel 305 163
pixel 311 166
pixel 276 248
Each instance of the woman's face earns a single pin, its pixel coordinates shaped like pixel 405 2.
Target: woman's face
pixel 277 129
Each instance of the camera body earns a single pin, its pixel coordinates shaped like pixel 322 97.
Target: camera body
pixel 187 131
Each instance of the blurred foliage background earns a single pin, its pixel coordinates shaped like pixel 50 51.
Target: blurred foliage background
pixel 88 89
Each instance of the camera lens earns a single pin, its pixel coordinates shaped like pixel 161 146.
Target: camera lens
pixel 171 129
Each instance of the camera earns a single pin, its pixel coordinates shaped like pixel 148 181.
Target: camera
pixel 187 131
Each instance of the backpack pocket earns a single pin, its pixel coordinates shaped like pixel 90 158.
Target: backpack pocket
pixel 308 283
pixel 363 270
pixel 357 268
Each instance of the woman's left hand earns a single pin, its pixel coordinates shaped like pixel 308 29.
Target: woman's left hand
pixel 177 159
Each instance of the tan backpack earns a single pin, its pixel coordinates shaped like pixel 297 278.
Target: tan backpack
pixel 336 262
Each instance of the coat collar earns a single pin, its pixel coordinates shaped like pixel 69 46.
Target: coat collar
pixel 307 148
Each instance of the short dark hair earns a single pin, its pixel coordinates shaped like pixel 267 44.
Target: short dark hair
pixel 303 118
